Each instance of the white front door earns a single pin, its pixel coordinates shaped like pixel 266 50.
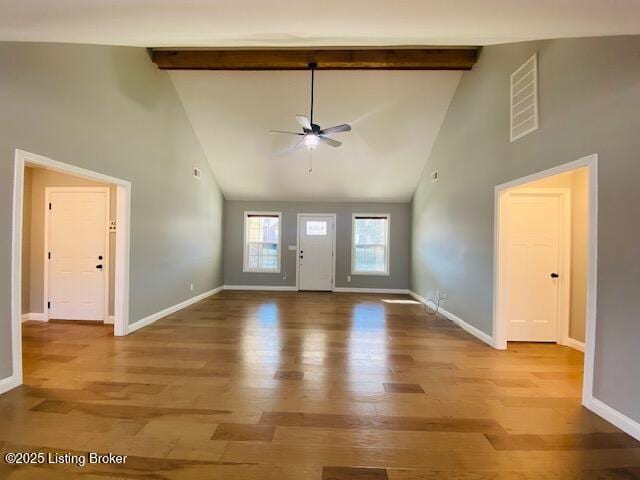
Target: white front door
pixel 533 263
pixel 315 252
pixel 78 249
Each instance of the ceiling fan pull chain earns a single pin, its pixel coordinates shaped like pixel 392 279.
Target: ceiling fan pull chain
pixel 310 161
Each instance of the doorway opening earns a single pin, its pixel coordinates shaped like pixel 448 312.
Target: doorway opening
pixel 315 266
pixel 70 248
pixel 546 259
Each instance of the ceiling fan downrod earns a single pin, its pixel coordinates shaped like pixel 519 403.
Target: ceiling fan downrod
pixel 312 66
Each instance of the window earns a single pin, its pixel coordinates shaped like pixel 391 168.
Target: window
pixel 316 227
pixel 370 249
pixel 262 242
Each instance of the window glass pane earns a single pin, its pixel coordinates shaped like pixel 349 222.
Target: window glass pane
pixel 263 229
pixel 370 244
pixel 316 228
pixel 262 242
pixel 370 231
pixel 370 258
pixel 268 256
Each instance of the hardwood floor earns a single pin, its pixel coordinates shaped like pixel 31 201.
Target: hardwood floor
pixel 279 386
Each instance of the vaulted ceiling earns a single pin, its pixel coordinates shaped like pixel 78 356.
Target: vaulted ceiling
pixel 395 117
pixel 174 23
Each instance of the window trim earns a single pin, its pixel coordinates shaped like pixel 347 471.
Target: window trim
pixel 387 216
pixel 246 216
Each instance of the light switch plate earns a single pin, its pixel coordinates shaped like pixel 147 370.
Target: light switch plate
pixel 293 248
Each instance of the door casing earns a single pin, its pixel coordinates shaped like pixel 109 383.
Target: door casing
pixel 499 327
pixel 121 327
pixel 333 267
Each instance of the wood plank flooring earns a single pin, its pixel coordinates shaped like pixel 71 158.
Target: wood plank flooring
pixel 319 386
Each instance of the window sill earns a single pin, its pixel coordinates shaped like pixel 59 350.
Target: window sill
pixel 379 274
pixel 246 270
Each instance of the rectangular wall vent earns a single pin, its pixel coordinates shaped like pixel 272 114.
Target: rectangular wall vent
pixel 197 173
pixel 524 99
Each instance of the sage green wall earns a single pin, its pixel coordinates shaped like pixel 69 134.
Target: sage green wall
pixel 400 237
pixel 110 110
pixel 589 93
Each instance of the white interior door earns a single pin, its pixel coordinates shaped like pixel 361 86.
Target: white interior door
pixel 533 263
pixel 315 252
pixel 78 249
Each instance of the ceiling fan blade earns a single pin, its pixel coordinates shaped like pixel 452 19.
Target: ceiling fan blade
pixel 329 141
pixel 337 129
pixel 282 131
pixel 304 121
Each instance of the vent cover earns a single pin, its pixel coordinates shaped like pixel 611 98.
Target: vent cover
pixel 524 99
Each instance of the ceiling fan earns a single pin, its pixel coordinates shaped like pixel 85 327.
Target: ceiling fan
pixel 312 134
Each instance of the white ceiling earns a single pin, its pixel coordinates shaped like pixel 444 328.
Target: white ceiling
pixel 294 23
pixel 395 117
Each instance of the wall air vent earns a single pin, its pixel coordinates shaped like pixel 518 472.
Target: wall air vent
pixel 524 99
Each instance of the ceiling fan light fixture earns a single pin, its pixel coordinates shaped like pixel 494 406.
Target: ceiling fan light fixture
pixel 311 141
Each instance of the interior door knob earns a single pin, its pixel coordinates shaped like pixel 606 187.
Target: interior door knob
pixel 554 275
pixel 99 267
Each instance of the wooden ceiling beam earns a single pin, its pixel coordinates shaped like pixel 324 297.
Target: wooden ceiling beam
pixel 431 58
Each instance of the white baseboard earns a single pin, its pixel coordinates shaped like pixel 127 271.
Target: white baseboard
pixel 143 322
pixel 8 383
pixel 35 317
pixel 397 291
pixel 284 288
pixel 417 297
pixel 488 339
pixel 611 415
pixel 573 343
pixel 287 288
pixel 42 317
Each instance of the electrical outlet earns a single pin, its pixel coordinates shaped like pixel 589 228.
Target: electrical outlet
pixel 191 287
pixel 348 278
